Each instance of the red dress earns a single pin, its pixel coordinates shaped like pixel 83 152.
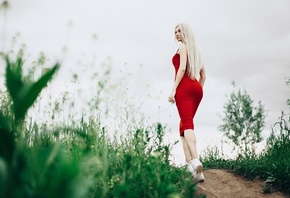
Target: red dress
pixel 188 96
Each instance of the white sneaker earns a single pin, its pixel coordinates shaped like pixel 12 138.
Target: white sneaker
pixel 197 173
pixel 189 168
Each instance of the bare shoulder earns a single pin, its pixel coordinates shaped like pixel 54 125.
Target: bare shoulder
pixel 182 47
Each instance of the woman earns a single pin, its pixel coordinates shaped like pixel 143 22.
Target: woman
pixel 187 92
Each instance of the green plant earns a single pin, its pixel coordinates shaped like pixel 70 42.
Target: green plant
pixel 266 188
pixel 272 165
pixel 39 171
pixel 24 93
pixel 243 122
pixel 81 158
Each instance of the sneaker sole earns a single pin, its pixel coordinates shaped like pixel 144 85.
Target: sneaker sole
pixel 199 178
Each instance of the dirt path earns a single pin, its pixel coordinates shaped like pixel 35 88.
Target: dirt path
pixel 222 184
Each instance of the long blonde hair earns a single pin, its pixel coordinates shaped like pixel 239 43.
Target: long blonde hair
pixel 194 58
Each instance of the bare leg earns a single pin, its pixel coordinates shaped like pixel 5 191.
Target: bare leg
pixel 185 149
pixel 190 141
pixel 189 147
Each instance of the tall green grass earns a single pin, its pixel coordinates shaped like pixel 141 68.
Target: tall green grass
pixel 82 158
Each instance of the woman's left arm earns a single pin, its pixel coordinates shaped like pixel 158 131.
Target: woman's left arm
pixel 202 76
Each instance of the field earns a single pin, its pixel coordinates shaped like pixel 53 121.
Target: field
pixel 80 158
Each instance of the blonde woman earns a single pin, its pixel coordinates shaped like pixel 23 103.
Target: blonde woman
pixel 187 93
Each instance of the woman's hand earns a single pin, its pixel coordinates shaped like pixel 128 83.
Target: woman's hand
pixel 171 96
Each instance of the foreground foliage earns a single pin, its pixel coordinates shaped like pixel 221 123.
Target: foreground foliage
pixel 82 159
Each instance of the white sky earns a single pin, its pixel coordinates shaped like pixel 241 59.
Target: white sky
pixel 245 41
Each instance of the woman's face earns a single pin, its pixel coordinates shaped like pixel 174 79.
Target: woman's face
pixel 178 35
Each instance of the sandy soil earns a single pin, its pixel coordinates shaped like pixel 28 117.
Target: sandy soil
pixel 223 184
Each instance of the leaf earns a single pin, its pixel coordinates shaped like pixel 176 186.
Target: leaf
pixel 13 78
pixel 30 92
pixel 7 146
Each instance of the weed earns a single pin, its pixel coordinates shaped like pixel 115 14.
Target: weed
pixel 266 188
pixel 79 159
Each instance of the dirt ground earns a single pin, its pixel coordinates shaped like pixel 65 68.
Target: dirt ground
pixel 223 184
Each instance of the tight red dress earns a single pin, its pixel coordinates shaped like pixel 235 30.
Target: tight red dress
pixel 188 96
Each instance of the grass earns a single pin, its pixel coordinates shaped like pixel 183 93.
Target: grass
pixel 272 165
pixel 79 158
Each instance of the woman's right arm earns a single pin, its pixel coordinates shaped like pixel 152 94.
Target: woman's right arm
pixel 202 76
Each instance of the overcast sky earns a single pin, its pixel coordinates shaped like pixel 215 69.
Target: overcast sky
pixel 243 41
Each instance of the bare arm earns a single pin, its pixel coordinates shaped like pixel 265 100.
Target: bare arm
pixel 202 76
pixel 180 72
pixel 182 65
